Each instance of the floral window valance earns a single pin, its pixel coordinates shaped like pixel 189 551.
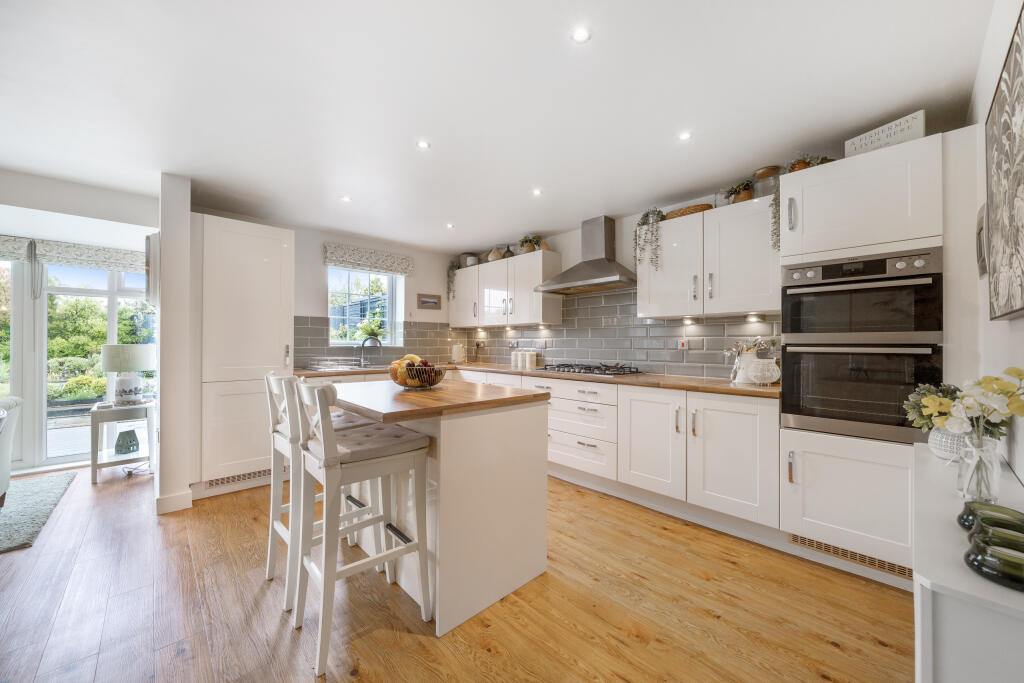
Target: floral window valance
pixel 13 248
pixel 89 256
pixel 364 258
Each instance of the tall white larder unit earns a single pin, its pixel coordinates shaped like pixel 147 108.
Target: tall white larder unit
pixel 248 327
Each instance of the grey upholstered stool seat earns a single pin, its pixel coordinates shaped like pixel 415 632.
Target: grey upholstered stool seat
pixel 373 441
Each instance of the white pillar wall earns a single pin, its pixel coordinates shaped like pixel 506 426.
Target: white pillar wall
pixel 179 382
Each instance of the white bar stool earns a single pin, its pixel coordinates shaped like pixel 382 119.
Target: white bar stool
pixel 377 454
pixel 284 448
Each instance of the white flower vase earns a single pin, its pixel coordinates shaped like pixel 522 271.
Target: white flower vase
pixel 945 444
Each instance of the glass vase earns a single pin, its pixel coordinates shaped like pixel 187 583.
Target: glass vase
pixel 979 470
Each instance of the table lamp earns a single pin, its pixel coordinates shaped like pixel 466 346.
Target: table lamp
pixel 127 359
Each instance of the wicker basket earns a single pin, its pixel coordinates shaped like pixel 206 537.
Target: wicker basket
pixel 687 210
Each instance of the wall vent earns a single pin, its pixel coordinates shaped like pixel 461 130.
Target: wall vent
pixel 236 478
pixel 853 556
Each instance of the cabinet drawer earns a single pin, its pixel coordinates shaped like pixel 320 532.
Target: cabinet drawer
pixel 592 392
pixel 582 453
pixel 593 420
pixel 504 380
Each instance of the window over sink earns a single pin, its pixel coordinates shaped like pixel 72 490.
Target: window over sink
pixel 359 302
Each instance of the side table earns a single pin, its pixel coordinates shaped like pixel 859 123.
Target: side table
pixel 116 413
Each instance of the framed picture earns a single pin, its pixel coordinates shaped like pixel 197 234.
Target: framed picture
pixel 1004 179
pixel 981 243
pixel 430 302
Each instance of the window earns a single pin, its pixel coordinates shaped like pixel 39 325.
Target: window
pixel 359 302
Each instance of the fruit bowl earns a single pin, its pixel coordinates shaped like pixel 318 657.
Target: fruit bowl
pixel 412 373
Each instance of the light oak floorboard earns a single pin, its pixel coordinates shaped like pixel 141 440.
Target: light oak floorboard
pixel 111 591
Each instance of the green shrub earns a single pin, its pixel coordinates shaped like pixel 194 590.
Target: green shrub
pixel 82 387
pixel 54 391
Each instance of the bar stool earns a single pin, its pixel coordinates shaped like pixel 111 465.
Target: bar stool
pixel 284 449
pixel 376 454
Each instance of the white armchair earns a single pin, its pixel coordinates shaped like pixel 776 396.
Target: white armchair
pixel 12 404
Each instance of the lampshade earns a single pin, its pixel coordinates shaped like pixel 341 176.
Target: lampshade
pixel 127 357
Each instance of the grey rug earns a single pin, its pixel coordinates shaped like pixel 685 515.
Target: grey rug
pixel 29 504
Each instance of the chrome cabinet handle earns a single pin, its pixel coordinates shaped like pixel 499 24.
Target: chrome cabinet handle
pixel 474 309
pixel 585 391
pixel 791 204
pixel 541 386
pixel 287 354
pixel 587 410
pixel 883 350
pixel 511 306
pixel 693 290
pixel 711 279
pixel 677 419
pixel 693 422
pixel 504 306
pixel 789 460
pixel 588 445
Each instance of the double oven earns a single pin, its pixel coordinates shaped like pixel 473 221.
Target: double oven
pixel 858 335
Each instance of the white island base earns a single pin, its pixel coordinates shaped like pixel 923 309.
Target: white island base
pixel 486 508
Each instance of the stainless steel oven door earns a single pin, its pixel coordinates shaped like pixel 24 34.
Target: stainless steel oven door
pixel 855 390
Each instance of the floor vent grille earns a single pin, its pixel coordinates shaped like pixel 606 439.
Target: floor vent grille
pixel 236 478
pixel 853 556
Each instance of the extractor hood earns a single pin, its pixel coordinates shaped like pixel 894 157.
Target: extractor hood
pixel 598 271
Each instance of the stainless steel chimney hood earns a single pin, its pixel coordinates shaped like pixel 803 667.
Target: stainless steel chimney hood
pixel 598 271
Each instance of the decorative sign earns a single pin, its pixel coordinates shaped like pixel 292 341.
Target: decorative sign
pixel 430 302
pixel 910 127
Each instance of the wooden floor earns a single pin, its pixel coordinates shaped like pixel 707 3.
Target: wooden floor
pixel 110 591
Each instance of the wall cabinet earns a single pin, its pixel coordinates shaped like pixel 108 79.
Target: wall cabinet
pixel 852 493
pixel 732 455
pixel 464 308
pixel 715 262
pixel 651 442
pixel 501 292
pixel 887 195
pixel 248 275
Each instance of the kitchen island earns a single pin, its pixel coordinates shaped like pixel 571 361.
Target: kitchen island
pixel 486 488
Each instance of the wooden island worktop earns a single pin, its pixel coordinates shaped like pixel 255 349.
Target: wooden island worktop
pixel 387 402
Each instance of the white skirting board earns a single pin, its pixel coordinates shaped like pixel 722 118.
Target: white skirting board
pixel 174 502
pixel 741 528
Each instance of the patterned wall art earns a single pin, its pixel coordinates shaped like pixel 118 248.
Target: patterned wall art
pixel 1004 170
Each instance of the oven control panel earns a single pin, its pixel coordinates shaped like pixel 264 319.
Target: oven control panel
pixel 883 265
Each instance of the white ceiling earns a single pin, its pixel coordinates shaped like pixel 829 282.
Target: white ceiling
pixel 277 109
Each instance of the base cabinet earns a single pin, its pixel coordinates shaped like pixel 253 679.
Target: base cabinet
pixel 503 380
pixel 235 428
pixel 651 446
pixel 848 492
pixel 732 455
pixel 582 453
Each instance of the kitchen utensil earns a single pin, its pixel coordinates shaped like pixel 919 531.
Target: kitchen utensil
pixel 416 377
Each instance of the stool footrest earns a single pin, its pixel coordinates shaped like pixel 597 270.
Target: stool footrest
pixel 397 533
pixel 355 501
pixel 367 563
pixel 281 530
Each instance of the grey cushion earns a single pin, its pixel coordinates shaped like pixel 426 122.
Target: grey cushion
pixel 340 420
pixel 375 441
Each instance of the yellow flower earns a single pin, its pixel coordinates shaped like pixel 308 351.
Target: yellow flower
pixel 1014 372
pixel 1004 386
pixel 988 382
pixel 935 405
pixel 940 422
pixel 1016 406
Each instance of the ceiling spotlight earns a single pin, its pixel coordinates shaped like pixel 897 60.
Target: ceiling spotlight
pixel 450 226
pixel 687 321
pixel 423 144
pixel 581 34
pixel 346 199
pixel 537 192
pixel 684 136
pixel 754 318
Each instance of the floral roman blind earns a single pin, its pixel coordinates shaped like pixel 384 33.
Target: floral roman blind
pixel 13 248
pixel 364 258
pixel 89 256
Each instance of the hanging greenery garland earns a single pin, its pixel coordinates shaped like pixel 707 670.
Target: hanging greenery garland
pixel 647 237
pixel 774 232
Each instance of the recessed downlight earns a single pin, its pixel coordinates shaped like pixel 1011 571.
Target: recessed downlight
pixel 537 192
pixel 684 136
pixel 580 34
pixel 450 226
pixel 345 198
pixel 423 144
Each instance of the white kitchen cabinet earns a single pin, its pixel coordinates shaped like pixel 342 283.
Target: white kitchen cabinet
pixel 582 453
pixel 732 455
pixel 504 380
pixel 848 492
pixel 526 271
pixel 887 195
pixel 674 289
pixel 493 296
pixel 592 420
pixel 464 308
pixel 248 300
pixel 594 392
pixel 235 428
pixel 741 270
pixel 651 442
pixel 466 376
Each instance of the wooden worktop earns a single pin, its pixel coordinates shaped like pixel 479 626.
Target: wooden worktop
pixel 387 402
pixel 708 385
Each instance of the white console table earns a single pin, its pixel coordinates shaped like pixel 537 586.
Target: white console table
pixel 966 627
pixel 100 416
